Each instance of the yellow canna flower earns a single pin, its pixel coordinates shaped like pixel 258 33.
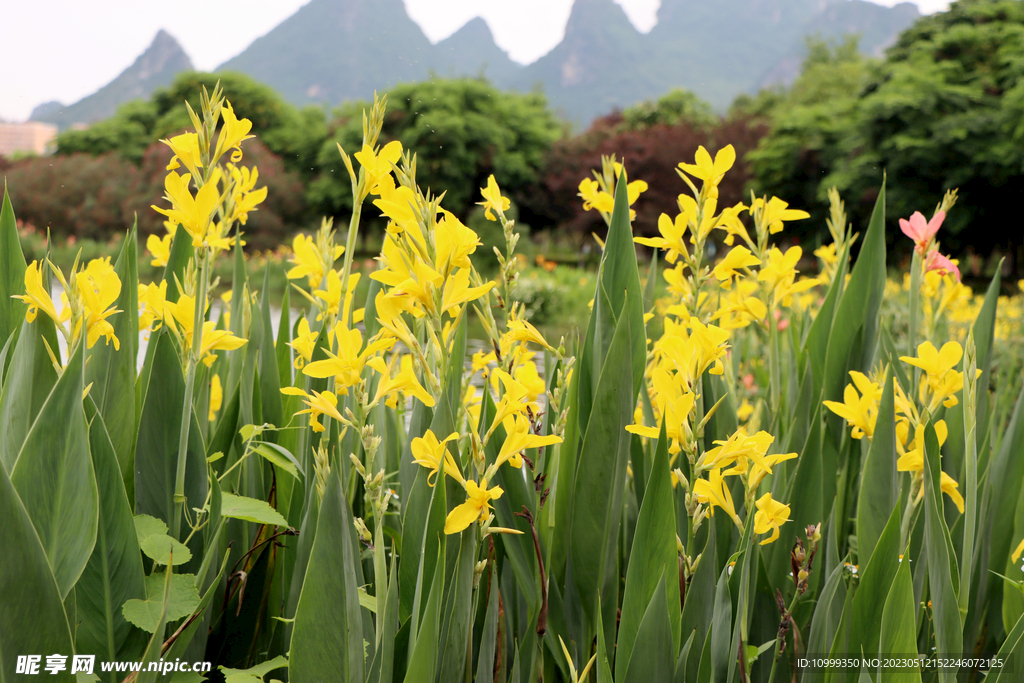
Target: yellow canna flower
pixel 523 331
pixel 216 397
pixel 232 133
pixel 36 296
pixel 940 381
pixel 773 212
pixel 737 258
pixel 671 240
pixel 513 401
pixel 183 316
pixel 770 515
pixel 160 249
pixel 186 151
pixel 493 201
pixel 859 410
pixel 455 242
pixel 711 172
pixel 318 404
pixel 714 493
pixel 405 381
pixel 457 291
pixel 477 506
pixel 428 452
pixel 152 304
pixel 520 437
pixel 1017 551
pixel 303 344
pixel 347 366
pixel 97 288
pixel 243 197
pixel 309 262
pixel 377 165
pixel 594 197
pixel 193 213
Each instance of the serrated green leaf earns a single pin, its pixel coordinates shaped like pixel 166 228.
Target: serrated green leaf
pixel 147 525
pixel 251 510
pixel 280 457
pixel 182 600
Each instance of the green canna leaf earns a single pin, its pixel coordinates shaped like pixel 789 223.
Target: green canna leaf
pixel 327 638
pixel 30 379
pixel 155 647
pixel 899 627
pixel 156 450
pixel 600 480
pixel 489 635
pixel 720 635
pixel 114 573
pixel 878 488
pixel 876 577
pixel 656 660
pixel 942 573
pixel 455 624
pixel 12 271
pixel 55 479
pixel 112 371
pixel 653 563
pixel 32 618
pixel 182 600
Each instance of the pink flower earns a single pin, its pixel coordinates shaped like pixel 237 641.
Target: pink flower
pixel 936 261
pixel 920 230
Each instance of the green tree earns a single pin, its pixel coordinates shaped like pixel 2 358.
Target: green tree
pixel 944 111
pixel 677 106
pixel 295 135
pixel 808 125
pixel 462 130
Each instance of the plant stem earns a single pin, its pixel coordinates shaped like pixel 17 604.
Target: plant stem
pixel 350 245
pixel 774 371
pixel 202 257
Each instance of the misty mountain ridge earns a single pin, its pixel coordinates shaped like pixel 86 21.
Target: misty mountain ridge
pixel 331 51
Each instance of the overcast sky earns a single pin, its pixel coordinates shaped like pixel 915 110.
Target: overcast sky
pixel 66 49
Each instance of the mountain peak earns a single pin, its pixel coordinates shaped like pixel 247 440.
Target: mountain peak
pixel 155 68
pixel 471 51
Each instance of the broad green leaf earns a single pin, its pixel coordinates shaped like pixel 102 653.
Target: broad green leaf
pixel 899 627
pixel 423 655
pixel 942 572
pixel 383 665
pixel 12 271
pixel 260 670
pixel 269 377
pixel 30 379
pixel 32 617
pixel 156 450
pixel 327 636
pixel 182 600
pixel 110 370
pixel 489 635
pixel 180 254
pixel 655 661
pixel 251 510
pixel 699 602
pixel 653 562
pixel 878 483
pixel 876 577
pixel 163 549
pixel 601 474
pixel 114 573
pixel 155 647
pixel 857 312
pixel 826 619
pixel 282 350
pixel 1006 474
pixel 720 635
pixel 146 526
pixel 455 634
pixel 55 479
pixel 279 457
pixel 1013 599
pixel 1012 653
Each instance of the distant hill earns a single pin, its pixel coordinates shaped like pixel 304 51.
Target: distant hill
pixel 330 51
pixel 155 68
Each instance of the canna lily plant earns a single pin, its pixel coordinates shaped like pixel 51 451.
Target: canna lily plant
pixel 736 471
